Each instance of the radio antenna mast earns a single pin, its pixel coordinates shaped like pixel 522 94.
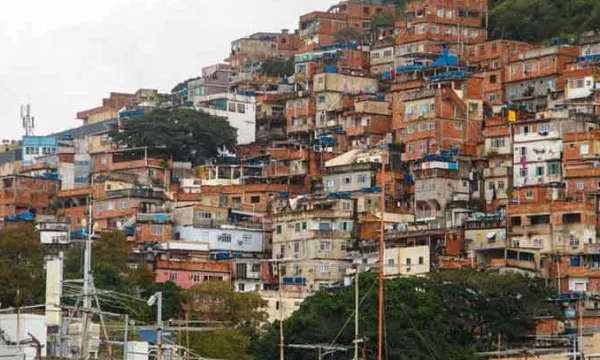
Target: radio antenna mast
pixel 28 120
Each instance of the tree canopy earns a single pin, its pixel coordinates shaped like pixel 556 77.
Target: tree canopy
pixel 242 313
pixel 539 20
pixel 21 264
pixel 184 134
pixel 450 315
pixel 278 67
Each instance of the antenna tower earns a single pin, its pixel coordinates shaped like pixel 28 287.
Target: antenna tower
pixel 28 120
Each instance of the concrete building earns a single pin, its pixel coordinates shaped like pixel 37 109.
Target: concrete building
pixel 430 23
pixel 239 110
pixel 319 28
pixel 535 77
pixel 315 233
pixel 407 261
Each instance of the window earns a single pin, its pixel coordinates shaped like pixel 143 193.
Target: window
pixel 362 178
pixel 321 99
pixel 500 185
pixel 255 199
pixel 422 147
pixel 543 128
pixel 111 206
pixel 297 227
pixel 99 207
pixel 346 206
pixel 231 106
pixel 492 97
pixel 124 204
pixel 523 151
pixel 297 247
pixel 411 129
pixel 241 108
pixel 196 278
pixel 224 238
pixel 391 262
pixel 347 180
pixel 580 185
pixel 241 287
pixel 345 226
pixel 498 142
pixel 411 148
pixel 173 277
pixel 375 55
pixel 493 79
pixel 434 29
pixel 156 230
pixel 538 243
pixel 408 264
pixel 523 172
pixel 324 268
pixel 584 149
pixel 329 182
pixel 344 246
pixel 529 194
pixel 440 12
pixel 515 221
pixel 203 215
pixel 325 246
pixel 421 260
pixel 458 125
pixel 304 226
pixel 278 229
pixel 387 53
pixel 297 270
pixel 539 171
pixel 491 185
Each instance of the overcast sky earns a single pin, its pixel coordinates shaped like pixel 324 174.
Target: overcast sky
pixel 63 56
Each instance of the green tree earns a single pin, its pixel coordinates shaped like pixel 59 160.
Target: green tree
pixel 21 264
pixel 540 20
pixel 347 35
pixel 450 315
pixel 242 313
pixel 278 67
pixel 184 134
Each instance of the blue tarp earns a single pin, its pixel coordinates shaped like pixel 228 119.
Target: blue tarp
pixel 445 59
pixel 25 216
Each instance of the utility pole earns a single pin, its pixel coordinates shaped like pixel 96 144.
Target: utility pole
pixel 281 338
pixel 159 325
pixel 381 257
pixel 356 316
pixel 87 280
pixel 125 350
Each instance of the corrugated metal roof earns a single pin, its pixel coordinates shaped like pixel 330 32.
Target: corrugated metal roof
pixel 85 130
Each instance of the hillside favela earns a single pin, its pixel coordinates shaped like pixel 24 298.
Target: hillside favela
pixel 411 180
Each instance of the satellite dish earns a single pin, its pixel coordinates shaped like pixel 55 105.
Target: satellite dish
pixel 152 300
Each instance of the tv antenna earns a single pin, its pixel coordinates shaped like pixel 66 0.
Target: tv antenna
pixel 28 120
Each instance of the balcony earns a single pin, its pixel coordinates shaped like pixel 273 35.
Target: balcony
pixel 538 229
pixel 421 94
pixel 331 234
pixel 495 172
pixel 154 218
pixel 136 193
pixel 304 128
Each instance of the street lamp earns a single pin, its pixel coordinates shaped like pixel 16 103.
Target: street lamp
pixel 157 299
